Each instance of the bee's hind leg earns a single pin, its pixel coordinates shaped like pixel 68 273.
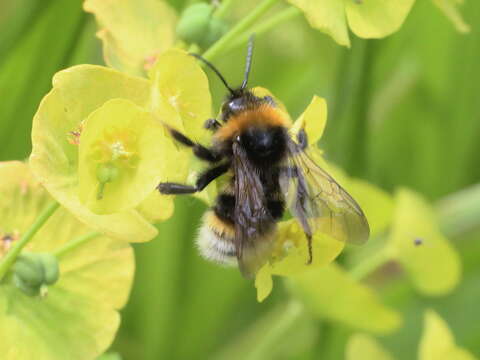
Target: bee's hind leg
pixel 203 180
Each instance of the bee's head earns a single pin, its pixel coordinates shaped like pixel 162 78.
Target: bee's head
pixel 263 145
pixel 239 101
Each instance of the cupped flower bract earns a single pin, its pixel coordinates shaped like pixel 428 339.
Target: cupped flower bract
pixel 77 317
pixel 81 143
pixel 133 32
pixel 366 18
pixel 120 156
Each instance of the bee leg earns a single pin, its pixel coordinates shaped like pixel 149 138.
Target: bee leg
pixel 203 180
pixel 302 139
pixel 168 188
pixel 310 251
pixel 212 124
pixel 199 151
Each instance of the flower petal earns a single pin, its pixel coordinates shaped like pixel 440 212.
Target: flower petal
pixel 417 243
pixel 437 341
pixel 133 33
pixel 376 18
pixel 54 158
pixel 330 293
pixel 180 93
pixel 313 120
pixel 327 16
pixel 291 255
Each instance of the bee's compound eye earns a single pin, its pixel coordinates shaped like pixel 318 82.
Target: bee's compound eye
pixel 237 138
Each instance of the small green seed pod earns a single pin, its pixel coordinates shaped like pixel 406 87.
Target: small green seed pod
pixel 29 269
pixel 106 172
pixel 50 268
pixel 27 289
pixel 216 29
pixel 194 23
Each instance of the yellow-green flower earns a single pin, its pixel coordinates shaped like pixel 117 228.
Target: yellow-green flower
pixel 77 317
pixel 99 146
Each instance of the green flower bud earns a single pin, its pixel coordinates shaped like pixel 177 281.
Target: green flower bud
pixel 217 28
pixel 50 268
pixel 30 290
pixel 29 270
pixel 194 22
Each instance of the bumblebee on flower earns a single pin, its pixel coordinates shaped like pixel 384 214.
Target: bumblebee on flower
pixel 269 171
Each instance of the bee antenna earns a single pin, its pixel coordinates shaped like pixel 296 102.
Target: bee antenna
pixel 215 70
pixel 248 62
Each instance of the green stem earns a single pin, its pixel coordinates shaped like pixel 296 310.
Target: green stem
pixel 276 331
pixel 365 268
pixel 223 8
pixel 272 22
pixel 71 245
pixel 12 254
pixel 242 26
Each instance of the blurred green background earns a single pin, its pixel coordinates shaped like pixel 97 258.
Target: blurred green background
pixel 403 111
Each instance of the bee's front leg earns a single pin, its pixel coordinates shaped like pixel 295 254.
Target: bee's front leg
pixel 168 188
pixel 212 124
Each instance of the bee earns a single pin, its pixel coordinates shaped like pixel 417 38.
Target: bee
pixel 270 172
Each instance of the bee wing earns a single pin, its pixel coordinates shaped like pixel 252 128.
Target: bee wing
pixel 253 223
pixel 318 202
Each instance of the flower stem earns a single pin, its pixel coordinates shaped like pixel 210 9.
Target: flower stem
pixel 217 48
pixel 278 328
pixel 272 22
pixel 10 257
pixel 365 268
pixel 223 8
pixel 71 245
